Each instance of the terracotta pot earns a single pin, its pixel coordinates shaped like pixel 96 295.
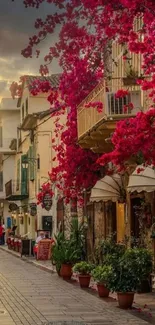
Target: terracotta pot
pixel 66 271
pixel 84 280
pixel 102 290
pixel 128 81
pixel 125 299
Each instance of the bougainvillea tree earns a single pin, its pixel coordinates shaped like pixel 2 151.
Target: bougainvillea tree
pixel 87 28
pixel 133 139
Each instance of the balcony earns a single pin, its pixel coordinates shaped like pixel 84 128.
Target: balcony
pixel 16 191
pixel 94 128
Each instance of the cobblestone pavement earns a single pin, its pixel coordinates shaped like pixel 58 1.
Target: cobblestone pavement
pixel 30 296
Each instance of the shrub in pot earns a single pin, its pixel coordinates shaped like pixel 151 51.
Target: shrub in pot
pixel 83 269
pixel 65 255
pixel 128 273
pixel 108 248
pixel 69 256
pixel 142 257
pixel 102 275
pixel 67 252
pixel 56 256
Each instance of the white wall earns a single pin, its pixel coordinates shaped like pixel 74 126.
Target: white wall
pixel 38 103
pixel 10 121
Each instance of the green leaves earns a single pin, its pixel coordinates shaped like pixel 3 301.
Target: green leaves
pixel 83 268
pixel 102 274
pixel 130 270
pixel 69 250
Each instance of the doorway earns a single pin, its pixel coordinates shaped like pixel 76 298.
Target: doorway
pixel 135 229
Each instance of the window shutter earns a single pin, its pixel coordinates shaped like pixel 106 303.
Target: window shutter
pixel 32 163
pixel 18 174
pixel 1 181
pixel 24 177
pixel 26 106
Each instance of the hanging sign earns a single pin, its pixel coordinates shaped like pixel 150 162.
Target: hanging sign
pixel 13 207
pixel 47 202
pixel 33 209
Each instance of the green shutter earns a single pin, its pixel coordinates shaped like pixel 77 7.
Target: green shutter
pixel 18 174
pixel 24 177
pixel 32 162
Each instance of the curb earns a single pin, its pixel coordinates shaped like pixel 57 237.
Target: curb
pixel 25 259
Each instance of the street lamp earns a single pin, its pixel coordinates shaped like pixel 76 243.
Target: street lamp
pixel 26 161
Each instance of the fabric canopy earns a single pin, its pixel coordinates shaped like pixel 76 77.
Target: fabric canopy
pixel 142 179
pixel 107 188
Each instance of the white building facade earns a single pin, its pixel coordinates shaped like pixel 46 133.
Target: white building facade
pixel 9 121
pixel 33 161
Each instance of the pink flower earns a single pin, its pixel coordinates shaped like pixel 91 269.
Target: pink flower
pixel 121 93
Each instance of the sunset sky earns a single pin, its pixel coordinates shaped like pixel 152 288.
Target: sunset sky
pixel 16 25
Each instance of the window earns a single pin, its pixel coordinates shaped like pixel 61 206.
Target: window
pixel 32 163
pixel 22 112
pixel 26 113
pixel 1 181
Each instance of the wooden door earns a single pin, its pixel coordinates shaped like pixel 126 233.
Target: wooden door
pixel 91 229
pixel 135 202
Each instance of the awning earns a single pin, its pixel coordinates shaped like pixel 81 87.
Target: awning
pixel 107 188
pixel 142 179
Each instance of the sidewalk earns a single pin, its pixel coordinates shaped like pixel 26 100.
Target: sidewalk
pixel 44 265
pixel 143 307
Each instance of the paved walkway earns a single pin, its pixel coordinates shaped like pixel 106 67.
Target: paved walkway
pixel 143 307
pixel 30 296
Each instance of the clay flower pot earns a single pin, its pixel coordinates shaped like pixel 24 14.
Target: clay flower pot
pixel 102 290
pixel 66 271
pixel 84 280
pixel 125 299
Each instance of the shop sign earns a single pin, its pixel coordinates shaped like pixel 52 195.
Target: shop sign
pixel 13 207
pixel 33 209
pixel 44 250
pixel 47 202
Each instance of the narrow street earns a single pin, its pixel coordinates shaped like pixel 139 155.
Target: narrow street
pixel 32 296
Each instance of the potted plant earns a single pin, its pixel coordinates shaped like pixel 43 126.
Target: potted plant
pixel 69 256
pixel 128 273
pixel 101 275
pixel 83 269
pixel 131 77
pixel 142 258
pixel 56 252
pixel 64 255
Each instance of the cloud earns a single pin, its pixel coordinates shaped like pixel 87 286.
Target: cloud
pixel 12 42
pixel 16 26
pixel 3 85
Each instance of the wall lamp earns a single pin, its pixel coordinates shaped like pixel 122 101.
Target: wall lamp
pixel 26 161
